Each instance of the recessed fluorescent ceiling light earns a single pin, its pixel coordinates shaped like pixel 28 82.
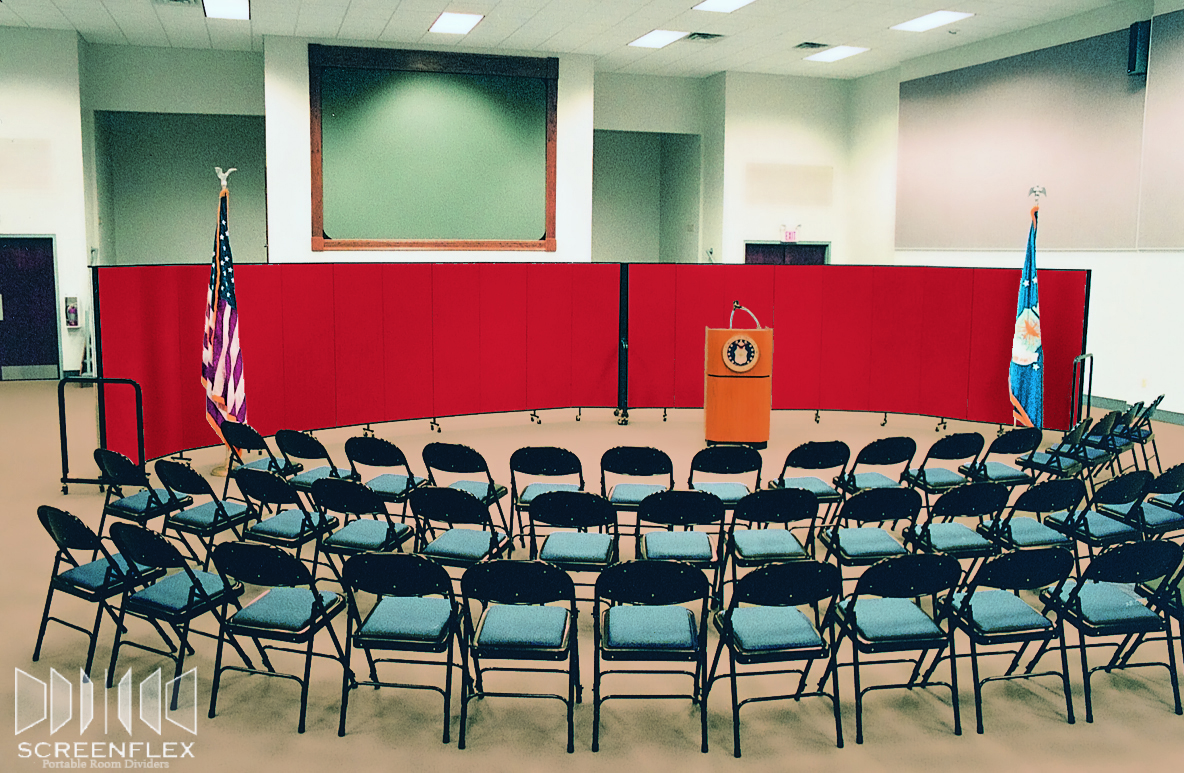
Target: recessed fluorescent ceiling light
pixel 456 23
pixel 932 21
pixel 836 53
pixel 227 9
pixel 658 38
pixel 721 6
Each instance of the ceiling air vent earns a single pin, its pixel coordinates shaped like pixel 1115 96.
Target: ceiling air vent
pixel 177 2
pixel 811 44
pixel 707 36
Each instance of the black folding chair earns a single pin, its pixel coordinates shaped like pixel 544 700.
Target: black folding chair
pixel 689 528
pixel 1160 512
pixel 1091 526
pixel 302 445
pixel 536 470
pixel 117 472
pixel 457 462
pixel 203 521
pixel 1015 442
pixel 366 451
pixel 581 531
pixel 732 462
pixel 629 474
pixel 456 528
pixel 857 537
pixel 1013 531
pixel 765 529
pixel 885 453
pixel 1142 433
pixel 366 525
pixel 931 480
pixel 241 438
pixel 281 517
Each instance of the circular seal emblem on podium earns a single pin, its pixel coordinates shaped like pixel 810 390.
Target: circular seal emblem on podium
pixel 741 353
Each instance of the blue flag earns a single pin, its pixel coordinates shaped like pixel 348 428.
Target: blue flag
pixel 1027 353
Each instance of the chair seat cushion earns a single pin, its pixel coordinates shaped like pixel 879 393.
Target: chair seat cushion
pixel 1000 611
pixel 822 490
pixel 729 492
pixel 866 480
pixel 998 472
pixel 650 628
pixel 534 489
pixel 141 503
pixel 481 489
pixel 291 524
pixel 935 478
pixel 767 545
pixel 1059 465
pixel 283 609
pixel 887 620
pixel 93 577
pixel 172 594
pixel 513 626
pixel 677 545
pixel 464 544
pixel 1167 500
pixel 263 463
pixel 958 538
pixel 201 517
pixel 1112 604
pixel 632 493
pixel 867 542
pixel 760 629
pixel 1098 528
pixel 578 547
pixel 1161 518
pixel 1028 532
pixel 368 534
pixel 304 480
pixel 409 618
pixel 392 485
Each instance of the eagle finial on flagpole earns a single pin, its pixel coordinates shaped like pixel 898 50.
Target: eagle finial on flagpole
pixel 1035 190
pixel 223 175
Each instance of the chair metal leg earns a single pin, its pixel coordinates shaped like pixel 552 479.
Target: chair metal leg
pixel 1089 706
pixel 735 703
pixel 44 625
pixel 345 688
pixel 978 687
pixel 1065 674
pixel 838 712
pixel 858 693
pixel 447 692
pixel 954 686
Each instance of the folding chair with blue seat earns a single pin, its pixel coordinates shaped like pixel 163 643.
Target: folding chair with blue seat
pixel 467 534
pixel 886 453
pixel 1117 441
pixel 931 480
pixel 852 542
pixel 302 445
pixel 634 472
pixel 650 611
pixel 1091 457
pixel 942 533
pixel 288 608
pixel 457 462
pixel 1092 527
pixel 1141 432
pixel 1015 532
pixel 391 487
pixel 1061 460
pixel 367 527
pixel 1104 603
pixel 536 470
pixel 414 611
pixel 290 524
pixel 241 438
pixel 117 472
pixel 752 540
pixel 676 514
pixel 1160 511
pixel 762 625
pixel 1015 442
pixel 204 521
pixel 176 599
pixel 815 456
pixel 731 461
pixel 519 611
pixel 582 533
pixel 992 613
pixel 882 617
pixel 90 580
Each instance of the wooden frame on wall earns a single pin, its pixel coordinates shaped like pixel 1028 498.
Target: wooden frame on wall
pixel 545 69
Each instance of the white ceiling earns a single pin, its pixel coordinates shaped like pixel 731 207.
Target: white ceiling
pixel 758 38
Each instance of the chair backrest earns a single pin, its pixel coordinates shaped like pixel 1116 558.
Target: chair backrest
pixel 301 445
pixel 1017 441
pixel 67 530
pixel 257 564
pixel 1073 440
pixel 182 479
pixel 396 574
pixel 652 582
pixel 266 487
pixel 549 461
pixel 374 452
pixel 889 450
pixel 1106 424
pixel 636 461
pixel 348 497
pixel 1143 422
pixel 881 504
pixel 1122 490
pixel 1134 562
pixel 1170 482
pixel 1051 496
pixel 960 445
pixel 572 510
pixel 146 548
pixel 452 458
pixel 909 576
pixel 818 455
pixel 788 584
pixel 118 470
pixel 1024 569
pixel 243 437
pixel 779 505
pixel 976 500
pixel 727 460
pixel 506 581
pixel 448 505
pixel 681 508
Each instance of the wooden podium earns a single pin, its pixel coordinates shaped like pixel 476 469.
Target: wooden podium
pixel 738 388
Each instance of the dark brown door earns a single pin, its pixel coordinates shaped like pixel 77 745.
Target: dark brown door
pixel 28 310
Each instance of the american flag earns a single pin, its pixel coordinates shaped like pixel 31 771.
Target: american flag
pixel 221 358
pixel 1026 375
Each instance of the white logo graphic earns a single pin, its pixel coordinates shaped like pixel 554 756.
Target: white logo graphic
pixel 37 701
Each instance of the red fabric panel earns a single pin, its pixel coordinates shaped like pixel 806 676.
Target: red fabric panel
pixel 1062 318
pixel 943 339
pixel 258 290
pixel 309 337
pixel 359 343
pixel 549 339
pixel 595 320
pixel 652 334
pixel 992 326
pixel 408 344
pixel 847 320
pixel 456 320
pixel 797 339
pixel 897 337
pixel 503 337
pixel 704 296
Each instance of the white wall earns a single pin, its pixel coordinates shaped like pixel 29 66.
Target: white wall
pixel 870 208
pixel 41 177
pixel 626 184
pixel 650 103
